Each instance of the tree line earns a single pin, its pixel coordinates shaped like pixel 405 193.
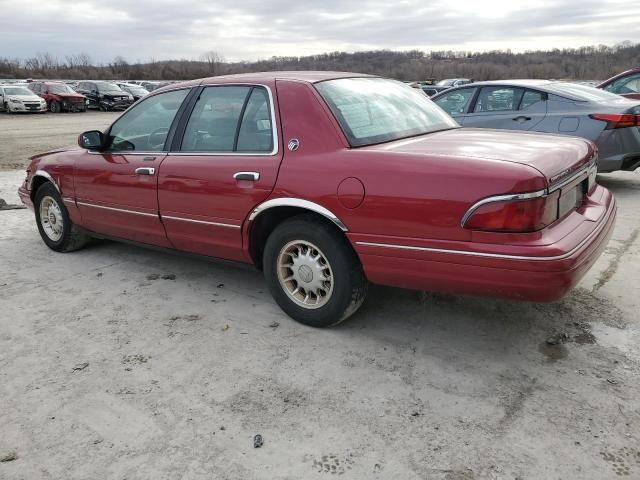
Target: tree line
pixel 585 63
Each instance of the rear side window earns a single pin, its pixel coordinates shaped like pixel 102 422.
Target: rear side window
pixel 230 119
pixel 530 98
pixel 495 99
pixel 456 102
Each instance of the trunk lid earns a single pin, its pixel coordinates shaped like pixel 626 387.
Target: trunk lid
pixel 555 156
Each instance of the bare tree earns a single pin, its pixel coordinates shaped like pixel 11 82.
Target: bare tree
pixel 213 60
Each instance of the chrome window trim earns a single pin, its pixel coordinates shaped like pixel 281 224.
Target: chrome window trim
pixel 300 203
pixel 42 173
pixel 133 152
pixel 500 198
pixel 216 224
pixel 274 128
pixel 123 210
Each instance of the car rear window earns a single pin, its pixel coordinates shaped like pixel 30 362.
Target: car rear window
pixel 582 92
pixel 376 110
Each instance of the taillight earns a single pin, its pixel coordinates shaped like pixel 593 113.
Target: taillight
pixel 617 120
pixel 514 215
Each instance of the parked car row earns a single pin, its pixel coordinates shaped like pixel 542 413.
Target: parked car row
pixel 57 96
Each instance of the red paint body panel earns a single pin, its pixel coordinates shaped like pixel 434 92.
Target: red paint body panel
pixel 409 193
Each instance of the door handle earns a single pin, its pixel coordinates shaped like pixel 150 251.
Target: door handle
pixel 149 159
pixel 145 171
pixel 251 176
pixel 521 118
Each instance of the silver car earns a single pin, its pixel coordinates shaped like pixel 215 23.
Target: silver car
pixel 610 121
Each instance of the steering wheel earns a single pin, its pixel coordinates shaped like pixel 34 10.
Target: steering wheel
pixel 158 137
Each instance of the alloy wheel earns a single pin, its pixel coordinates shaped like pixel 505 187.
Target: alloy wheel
pixel 51 218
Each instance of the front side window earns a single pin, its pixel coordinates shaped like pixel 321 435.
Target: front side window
pixel 495 99
pixel 456 102
pixel 376 110
pixel 234 118
pixel 145 126
pixel 625 85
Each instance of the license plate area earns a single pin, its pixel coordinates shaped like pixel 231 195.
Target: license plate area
pixel 572 196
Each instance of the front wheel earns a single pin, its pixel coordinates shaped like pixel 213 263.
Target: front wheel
pixel 312 272
pixel 55 107
pixel 56 228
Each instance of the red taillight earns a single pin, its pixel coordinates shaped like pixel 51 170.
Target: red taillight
pixel 515 215
pixel 617 120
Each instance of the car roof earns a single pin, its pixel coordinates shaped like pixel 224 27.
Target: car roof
pixel 258 77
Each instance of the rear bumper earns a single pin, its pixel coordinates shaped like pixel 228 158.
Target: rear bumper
pixel 619 149
pixel 544 275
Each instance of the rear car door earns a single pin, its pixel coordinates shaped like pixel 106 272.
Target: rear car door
pixel 457 102
pixel 117 189
pixel 507 107
pixel 222 164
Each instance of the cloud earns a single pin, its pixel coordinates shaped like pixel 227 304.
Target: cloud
pixel 253 29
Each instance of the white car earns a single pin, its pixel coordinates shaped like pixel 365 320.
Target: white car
pixel 18 98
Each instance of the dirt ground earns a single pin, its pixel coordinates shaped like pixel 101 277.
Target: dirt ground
pixel 118 362
pixel 25 134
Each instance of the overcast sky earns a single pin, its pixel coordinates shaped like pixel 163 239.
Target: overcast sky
pixel 254 29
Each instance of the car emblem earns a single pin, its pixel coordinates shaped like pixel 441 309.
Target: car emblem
pixel 293 144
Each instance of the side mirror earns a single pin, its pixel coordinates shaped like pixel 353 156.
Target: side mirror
pixel 91 140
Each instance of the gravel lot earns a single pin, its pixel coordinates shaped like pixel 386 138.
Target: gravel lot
pixel 25 134
pixel 118 362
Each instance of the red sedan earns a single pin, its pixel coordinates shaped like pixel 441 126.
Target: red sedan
pixel 626 84
pixel 328 181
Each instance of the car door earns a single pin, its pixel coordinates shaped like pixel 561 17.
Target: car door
pixel 456 102
pixel 507 107
pixel 116 188
pixel 2 100
pixel 224 162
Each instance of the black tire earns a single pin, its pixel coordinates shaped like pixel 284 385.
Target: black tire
pixel 72 238
pixel 349 281
pixel 55 107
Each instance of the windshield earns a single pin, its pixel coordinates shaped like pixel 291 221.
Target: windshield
pixel 108 87
pixel 376 110
pixel 134 89
pixel 583 92
pixel 59 88
pixel 446 82
pixel 18 91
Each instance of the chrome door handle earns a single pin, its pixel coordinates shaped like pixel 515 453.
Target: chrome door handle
pixel 145 171
pixel 251 176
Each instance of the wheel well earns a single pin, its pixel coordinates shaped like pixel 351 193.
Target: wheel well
pixel 36 183
pixel 267 221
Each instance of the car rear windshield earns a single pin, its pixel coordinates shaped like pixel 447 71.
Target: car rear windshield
pixel 376 110
pixel 583 92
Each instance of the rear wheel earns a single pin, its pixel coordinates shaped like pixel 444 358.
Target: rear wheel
pixel 54 107
pixel 313 273
pixel 56 228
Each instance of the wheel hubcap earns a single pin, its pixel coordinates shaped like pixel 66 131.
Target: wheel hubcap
pixel 51 218
pixel 305 274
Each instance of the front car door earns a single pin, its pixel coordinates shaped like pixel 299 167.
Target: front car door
pixel 507 107
pixel 116 188
pixel 223 163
